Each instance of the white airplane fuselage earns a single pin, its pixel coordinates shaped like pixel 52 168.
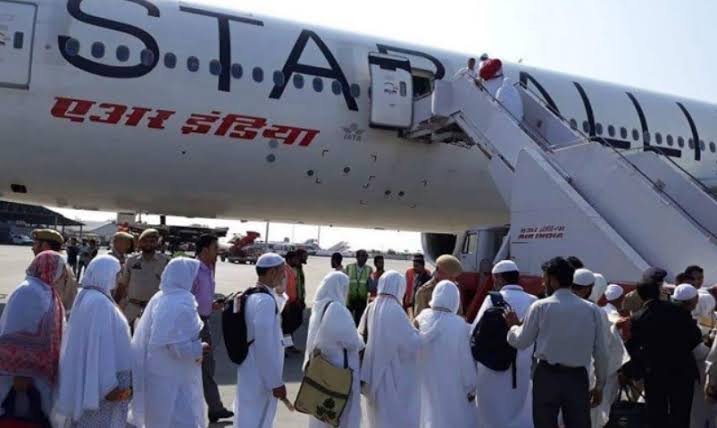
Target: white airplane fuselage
pixel 186 109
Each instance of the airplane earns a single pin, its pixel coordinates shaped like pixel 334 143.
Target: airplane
pixel 184 108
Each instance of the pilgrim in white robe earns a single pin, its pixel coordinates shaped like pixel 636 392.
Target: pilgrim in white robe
pixel 447 372
pixel 699 416
pixel 389 368
pixel 499 404
pixel 509 97
pixel 95 361
pixel 167 355
pixel 331 332
pixel 262 370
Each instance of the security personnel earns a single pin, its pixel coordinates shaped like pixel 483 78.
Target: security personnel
pixel 52 240
pixel 141 275
pixel 359 274
pixel 122 245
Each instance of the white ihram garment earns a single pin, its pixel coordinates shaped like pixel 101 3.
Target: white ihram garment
pixel 389 366
pixel 331 331
pixel 167 375
pixel 447 372
pixel 499 405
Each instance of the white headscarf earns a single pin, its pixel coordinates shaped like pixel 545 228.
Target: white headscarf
pixel 170 318
pixel 334 324
pixel 446 296
pixel 598 288
pixel 385 314
pixel 96 345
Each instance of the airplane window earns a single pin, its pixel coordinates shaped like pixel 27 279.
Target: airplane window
pixel 193 64
pixel 713 148
pixel 147 57
pixel 258 74
pixel 72 47
pixel 586 126
pixel 691 143
pixel 122 53
pixel 598 128
pixel 635 134
pixel 658 138
pixel 298 81
pixel 623 132
pixel 680 141
pixel 611 131
pixel 336 87
pixel 318 84
pixel 403 88
pixel 170 60
pixel 98 50
pixel 573 124
pixel 237 71
pixel 215 67
pixel 702 145
pixel 279 78
pixel 18 40
pixel 669 140
pixel 355 90
pixel 646 136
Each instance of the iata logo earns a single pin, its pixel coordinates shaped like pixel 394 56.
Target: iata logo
pixel 352 132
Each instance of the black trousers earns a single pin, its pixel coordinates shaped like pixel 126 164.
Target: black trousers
pixel 211 390
pixel 669 399
pixel 357 308
pixel 559 388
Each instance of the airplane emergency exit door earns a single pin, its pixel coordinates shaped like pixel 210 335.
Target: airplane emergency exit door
pixel 391 91
pixel 17 30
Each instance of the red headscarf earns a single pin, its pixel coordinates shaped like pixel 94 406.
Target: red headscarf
pixel 491 69
pixel 34 351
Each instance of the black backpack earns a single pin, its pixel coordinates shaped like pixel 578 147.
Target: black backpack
pixel 489 341
pixel 234 326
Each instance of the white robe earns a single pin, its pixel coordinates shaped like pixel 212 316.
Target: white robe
pixel 262 371
pixel 611 311
pixel 499 405
pixel 167 376
pixel 509 97
pixel 389 367
pixel 331 331
pixel 699 417
pixel 92 358
pixel 447 372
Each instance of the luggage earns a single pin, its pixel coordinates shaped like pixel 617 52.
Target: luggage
pixel 325 389
pixel 627 413
pixel 489 341
pixel 234 325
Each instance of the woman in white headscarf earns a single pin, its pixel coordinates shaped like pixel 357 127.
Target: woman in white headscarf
pixel 30 338
pixel 332 331
pixel 447 372
pixel 389 371
pixel 95 363
pixel 167 355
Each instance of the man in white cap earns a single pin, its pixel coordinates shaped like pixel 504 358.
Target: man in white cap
pixel 614 294
pixel 503 403
pixel 583 282
pixel 259 377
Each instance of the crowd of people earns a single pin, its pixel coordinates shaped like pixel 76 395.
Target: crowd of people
pixel 134 344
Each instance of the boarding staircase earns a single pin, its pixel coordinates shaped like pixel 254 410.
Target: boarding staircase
pixel 568 193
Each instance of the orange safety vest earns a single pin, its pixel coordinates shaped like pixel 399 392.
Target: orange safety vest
pixel 290 279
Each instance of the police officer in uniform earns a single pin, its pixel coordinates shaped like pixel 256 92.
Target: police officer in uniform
pixel 52 240
pixel 122 245
pixel 141 275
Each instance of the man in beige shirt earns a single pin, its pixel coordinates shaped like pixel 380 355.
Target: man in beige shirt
pixel 447 268
pixel 141 276
pixel 52 240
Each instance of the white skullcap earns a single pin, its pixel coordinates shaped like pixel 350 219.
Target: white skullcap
pixel 613 292
pixel 584 277
pixel 684 292
pixel 505 266
pixel 269 260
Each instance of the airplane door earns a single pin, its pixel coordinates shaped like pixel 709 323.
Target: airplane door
pixel 17 29
pixel 391 91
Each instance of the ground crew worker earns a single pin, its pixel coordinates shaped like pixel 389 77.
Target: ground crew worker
pixel 122 245
pixel 359 273
pixel 448 268
pixel 52 240
pixel 141 275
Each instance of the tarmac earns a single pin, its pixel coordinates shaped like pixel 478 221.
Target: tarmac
pixel 230 278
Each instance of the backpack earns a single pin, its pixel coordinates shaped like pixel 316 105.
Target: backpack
pixel 489 341
pixel 234 326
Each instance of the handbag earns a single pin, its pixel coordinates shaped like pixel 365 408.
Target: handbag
pixel 325 388
pixel 626 413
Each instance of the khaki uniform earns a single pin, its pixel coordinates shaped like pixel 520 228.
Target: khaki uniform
pixel 142 279
pixel 424 295
pixel 122 258
pixel 67 289
pixel 633 302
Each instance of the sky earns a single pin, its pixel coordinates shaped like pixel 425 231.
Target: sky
pixel 661 45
